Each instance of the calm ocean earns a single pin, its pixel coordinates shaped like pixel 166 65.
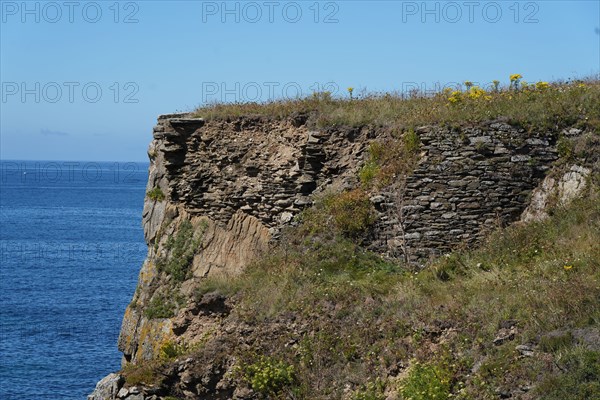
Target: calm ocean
pixel 71 246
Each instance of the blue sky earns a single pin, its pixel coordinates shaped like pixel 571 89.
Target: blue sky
pixel 85 80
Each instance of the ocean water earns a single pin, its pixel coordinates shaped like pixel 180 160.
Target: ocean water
pixel 71 246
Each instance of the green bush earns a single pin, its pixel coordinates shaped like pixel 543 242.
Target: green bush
pixel 268 376
pixel 156 194
pixel 565 148
pixel 427 381
pixel 352 212
pixel 171 350
pixel 411 140
pixel 160 307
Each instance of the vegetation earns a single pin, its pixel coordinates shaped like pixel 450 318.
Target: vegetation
pixel 509 318
pixel 163 304
pixel 156 194
pixel 541 105
pixel 267 376
pixel 181 249
pixel 369 320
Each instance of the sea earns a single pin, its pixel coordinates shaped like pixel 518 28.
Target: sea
pixel 71 247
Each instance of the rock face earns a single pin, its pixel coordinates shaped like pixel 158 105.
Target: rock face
pixel 231 186
pixel 555 191
pixel 468 182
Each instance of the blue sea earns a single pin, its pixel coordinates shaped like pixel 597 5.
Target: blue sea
pixel 71 246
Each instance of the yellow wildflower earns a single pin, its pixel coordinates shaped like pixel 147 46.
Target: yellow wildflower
pixel 455 97
pixel 568 267
pixel 515 77
pixel 476 92
pixel 542 85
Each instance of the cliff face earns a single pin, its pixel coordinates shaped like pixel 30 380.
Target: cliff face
pixel 239 182
pixel 221 191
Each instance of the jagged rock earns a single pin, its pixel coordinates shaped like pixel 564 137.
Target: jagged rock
pixel 240 182
pixel 554 192
pixel 525 350
pixel 107 388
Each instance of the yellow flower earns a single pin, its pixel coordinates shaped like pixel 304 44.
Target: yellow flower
pixel 515 77
pixel 568 267
pixel 476 92
pixel 350 90
pixel 455 97
pixel 542 85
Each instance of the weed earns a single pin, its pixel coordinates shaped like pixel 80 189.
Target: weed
pixel 426 381
pixel 370 391
pixel 555 106
pixel 181 250
pixel 269 377
pixel 580 379
pixel 352 212
pixel 156 194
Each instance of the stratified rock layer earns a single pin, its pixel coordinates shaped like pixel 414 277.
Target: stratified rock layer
pixel 239 182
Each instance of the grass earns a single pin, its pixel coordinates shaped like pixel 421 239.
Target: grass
pixel 181 249
pixel 373 327
pixel 156 194
pixel 368 319
pixel 553 106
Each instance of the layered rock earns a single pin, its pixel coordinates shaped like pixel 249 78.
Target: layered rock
pixel 237 183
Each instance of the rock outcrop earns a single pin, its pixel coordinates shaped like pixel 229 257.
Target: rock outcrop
pixel 233 185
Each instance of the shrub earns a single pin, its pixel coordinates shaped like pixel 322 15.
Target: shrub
pixel 160 307
pixel 552 343
pixel 565 148
pixel 352 212
pixel 427 381
pixel 390 161
pixel 156 194
pixel 145 373
pixel 268 376
pixel 170 350
pixel 411 140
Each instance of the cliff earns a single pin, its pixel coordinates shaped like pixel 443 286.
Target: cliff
pixel 224 193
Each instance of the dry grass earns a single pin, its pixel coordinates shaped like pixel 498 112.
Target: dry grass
pixel 367 317
pixel 553 107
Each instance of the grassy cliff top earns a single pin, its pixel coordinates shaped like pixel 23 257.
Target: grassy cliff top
pixel 541 105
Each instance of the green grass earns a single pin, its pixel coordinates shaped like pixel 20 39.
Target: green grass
pixel 365 316
pixel 559 105
pixel 156 194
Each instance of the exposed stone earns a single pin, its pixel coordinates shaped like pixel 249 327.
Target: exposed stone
pixel 552 192
pixel 107 388
pixel 240 182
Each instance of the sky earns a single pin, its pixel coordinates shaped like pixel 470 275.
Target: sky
pixel 85 80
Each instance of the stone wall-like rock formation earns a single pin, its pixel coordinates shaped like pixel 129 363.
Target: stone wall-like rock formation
pixel 239 182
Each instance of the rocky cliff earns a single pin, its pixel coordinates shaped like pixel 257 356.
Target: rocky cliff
pixel 220 193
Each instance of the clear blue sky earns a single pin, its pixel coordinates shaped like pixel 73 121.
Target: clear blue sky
pixel 173 55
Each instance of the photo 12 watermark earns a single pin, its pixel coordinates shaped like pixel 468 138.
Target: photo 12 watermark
pixel 65 253
pixel 252 12
pixel 70 92
pixel 250 92
pixel 452 12
pixel 71 172
pixel 53 12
